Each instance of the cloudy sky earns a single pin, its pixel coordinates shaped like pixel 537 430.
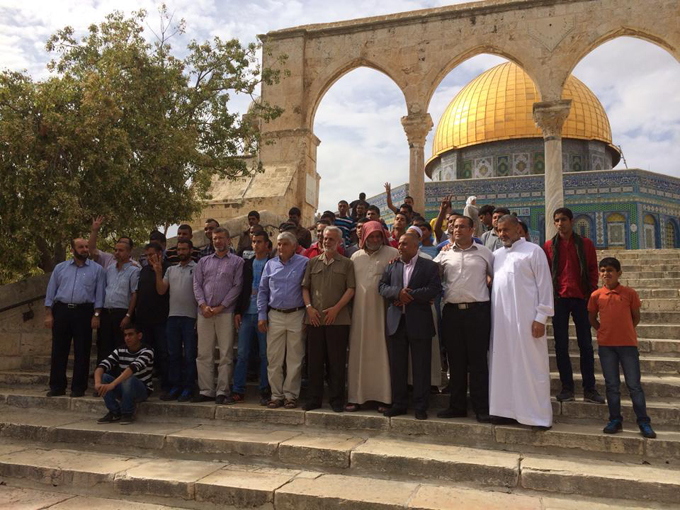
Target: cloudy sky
pixel 362 141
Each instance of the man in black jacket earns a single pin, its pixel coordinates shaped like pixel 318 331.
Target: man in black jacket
pixel 410 284
pixel 245 321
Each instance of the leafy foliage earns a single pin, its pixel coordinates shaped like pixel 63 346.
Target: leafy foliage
pixel 122 128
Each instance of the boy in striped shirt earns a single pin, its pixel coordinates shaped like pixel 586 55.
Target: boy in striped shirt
pixel 134 362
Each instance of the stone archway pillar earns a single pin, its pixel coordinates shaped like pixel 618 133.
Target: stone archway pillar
pixel 417 126
pixel 549 117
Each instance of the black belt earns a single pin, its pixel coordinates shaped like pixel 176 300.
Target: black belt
pixel 289 310
pixel 74 305
pixel 109 310
pixel 466 306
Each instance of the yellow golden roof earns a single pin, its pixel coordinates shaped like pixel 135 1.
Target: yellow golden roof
pixel 498 105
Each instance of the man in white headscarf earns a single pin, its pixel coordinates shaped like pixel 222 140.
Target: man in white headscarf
pixel 472 211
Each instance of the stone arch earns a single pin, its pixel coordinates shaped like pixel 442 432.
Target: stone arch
pixel 650 231
pixel 672 234
pixel 617 234
pixel 615 34
pixel 584 226
pixel 467 55
pixel 323 84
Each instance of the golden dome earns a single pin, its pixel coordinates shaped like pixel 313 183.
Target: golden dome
pixel 498 105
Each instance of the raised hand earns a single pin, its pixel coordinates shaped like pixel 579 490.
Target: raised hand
pixel 97 223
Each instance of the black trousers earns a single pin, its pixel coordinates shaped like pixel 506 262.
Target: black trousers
pixel 110 335
pixel 398 346
pixel 327 347
pixel 71 323
pixel 466 334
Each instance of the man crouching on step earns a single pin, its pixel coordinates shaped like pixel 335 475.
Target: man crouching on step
pixel 134 362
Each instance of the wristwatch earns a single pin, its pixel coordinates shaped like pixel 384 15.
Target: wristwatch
pixel 307 306
pixel 96 314
pixel 128 316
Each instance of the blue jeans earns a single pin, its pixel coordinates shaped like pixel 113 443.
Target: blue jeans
pixel 181 335
pixel 129 392
pixel 246 334
pixel 155 337
pixel 629 359
pixel 578 309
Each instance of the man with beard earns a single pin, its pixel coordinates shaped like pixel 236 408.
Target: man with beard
pixel 369 365
pixel 521 302
pixel 73 303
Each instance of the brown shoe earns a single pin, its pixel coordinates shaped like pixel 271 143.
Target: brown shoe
pixel 275 404
pixel 290 404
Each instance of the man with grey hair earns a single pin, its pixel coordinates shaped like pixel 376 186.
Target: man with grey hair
pixel 280 310
pixel 327 289
pixel 521 302
pixel 218 279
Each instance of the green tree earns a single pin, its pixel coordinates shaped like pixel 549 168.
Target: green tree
pixel 123 128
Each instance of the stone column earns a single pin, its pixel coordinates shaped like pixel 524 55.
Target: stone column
pixel 417 126
pixel 549 117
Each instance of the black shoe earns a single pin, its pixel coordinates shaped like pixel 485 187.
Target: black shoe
pixel 451 413
pixel 338 408
pixel 483 418
pixel 421 415
pixel 647 431
pixel 565 396
pixel 501 420
pixel 127 419
pixel 540 428
pixel 394 411
pixel 202 398
pixel 593 396
pixel 77 394
pixel 310 406
pixel 56 393
pixel 613 427
pixel 221 399
pixel 109 418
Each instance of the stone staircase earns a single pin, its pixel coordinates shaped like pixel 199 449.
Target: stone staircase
pixel 185 455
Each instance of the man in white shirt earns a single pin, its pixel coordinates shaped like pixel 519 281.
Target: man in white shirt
pixel 466 270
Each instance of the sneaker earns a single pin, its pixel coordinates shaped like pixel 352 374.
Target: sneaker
pixel 109 418
pixel 185 396
pixel 592 396
pixel 236 398
pixel 647 431
pixel 565 396
pixel 173 394
pixel 613 427
pixel 127 419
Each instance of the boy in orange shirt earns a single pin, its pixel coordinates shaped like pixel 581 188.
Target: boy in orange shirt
pixel 619 312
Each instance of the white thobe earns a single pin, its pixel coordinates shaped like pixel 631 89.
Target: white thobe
pixel 519 368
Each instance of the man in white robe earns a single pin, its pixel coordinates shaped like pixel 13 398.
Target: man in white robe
pixel 521 302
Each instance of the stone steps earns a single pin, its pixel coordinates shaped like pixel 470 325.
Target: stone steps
pixel 655 346
pixel 151 447
pixel 175 484
pixel 660 305
pixel 664 293
pixel 654 386
pixel 650 331
pixel 651 283
pixel 648 364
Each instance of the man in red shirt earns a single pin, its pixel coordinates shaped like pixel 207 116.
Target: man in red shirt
pixel 573 263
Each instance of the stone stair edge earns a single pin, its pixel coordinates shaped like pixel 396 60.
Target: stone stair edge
pixel 187 479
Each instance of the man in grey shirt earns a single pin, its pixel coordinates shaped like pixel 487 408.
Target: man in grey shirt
pixel 181 325
pixel 490 237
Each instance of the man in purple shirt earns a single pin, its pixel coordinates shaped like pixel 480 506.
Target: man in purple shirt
pixel 280 310
pixel 218 279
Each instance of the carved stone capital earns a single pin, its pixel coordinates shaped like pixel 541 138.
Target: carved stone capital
pixel 417 126
pixel 549 116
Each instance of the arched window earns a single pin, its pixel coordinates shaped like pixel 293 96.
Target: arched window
pixel 650 231
pixel 616 230
pixel 582 226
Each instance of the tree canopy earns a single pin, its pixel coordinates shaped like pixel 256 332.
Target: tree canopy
pixel 122 128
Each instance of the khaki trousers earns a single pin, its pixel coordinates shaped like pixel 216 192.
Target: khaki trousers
pixel 284 343
pixel 217 330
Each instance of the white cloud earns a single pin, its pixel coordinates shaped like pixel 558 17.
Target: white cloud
pixel 358 121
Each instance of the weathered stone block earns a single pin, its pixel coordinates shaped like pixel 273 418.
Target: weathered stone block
pixel 241 488
pixel 463 430
pixel 431 497
pixel 361 420
pixel 259 414
pixel 312 450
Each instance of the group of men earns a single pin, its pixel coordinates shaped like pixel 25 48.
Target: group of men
pixel 370 309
